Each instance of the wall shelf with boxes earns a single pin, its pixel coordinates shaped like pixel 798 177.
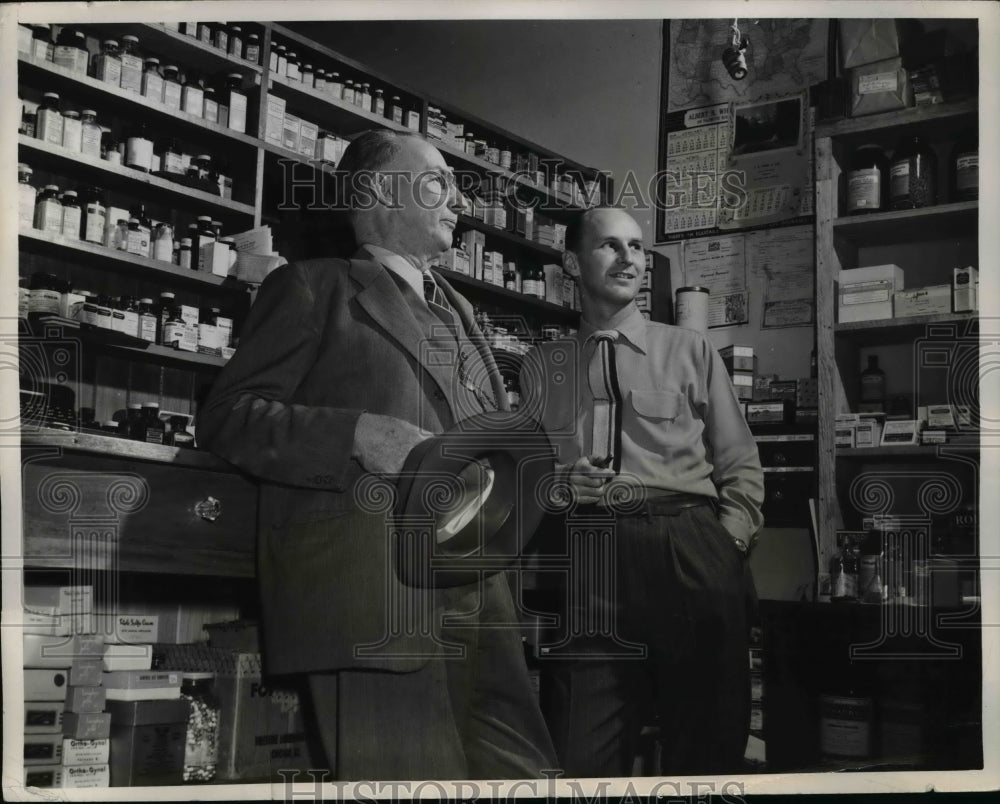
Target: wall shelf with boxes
pixel 896 255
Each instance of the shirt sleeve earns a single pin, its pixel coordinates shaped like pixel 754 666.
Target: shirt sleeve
pixel 736 470
pixel 249 417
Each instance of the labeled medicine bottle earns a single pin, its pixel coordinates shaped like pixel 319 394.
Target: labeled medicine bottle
pixel 363 97
pixel 108 64
pixel 173 328
pixel 171 86
pixel 210 104
pixel 334 85
pixel 90 134
pixel 171 158
pixel 119 238
pixel 27 196
pixel 845 723
pixel 867 181
pixel 29 121
pixel 235 47
pixel 49 125
pixel 146 324
pixel 872 391
pixel 236 99
pixel 178 435
pixel 117 314
pixel 319 79
pixel 138 238
pixel 111 148
pixel 251 52
pixel 912 174
pixel 104 303
pixel 131 79
pixel 139 148
pixel 95 218
pixel 378 103
pixel 71 306
pixel 48 210
pixel 164 309
pixel 42 46
pixel 292 66
pixel 44 295
pixel 72 131
pixel 963 167
pixel 71 52
pixel 306 75
pixel 201 744
pixel 220 36
pixel 278 60
pixel 184 253
pixel 163 242
pixel 152 80
pixel 192 95
pixel 71 217
pixel 153 426
pixel 350 92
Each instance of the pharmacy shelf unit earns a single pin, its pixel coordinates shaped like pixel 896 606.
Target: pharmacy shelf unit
pixel 844 242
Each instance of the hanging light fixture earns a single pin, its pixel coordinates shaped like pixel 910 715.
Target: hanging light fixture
pixel 734 57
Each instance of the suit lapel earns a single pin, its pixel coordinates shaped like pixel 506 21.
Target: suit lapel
pixel 381 298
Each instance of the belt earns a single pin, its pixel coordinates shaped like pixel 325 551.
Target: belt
pixel 670 505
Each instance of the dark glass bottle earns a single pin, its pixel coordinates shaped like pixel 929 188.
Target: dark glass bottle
pixel 912 174
pixel 963 164
pixel 872 391
pixel 153 428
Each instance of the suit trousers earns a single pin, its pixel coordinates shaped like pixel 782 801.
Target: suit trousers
pixel 672 649
pixel 472 716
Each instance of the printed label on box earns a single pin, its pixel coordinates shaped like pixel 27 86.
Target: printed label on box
pixel 878 82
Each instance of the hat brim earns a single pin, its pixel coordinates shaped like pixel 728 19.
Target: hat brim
pixel 494 462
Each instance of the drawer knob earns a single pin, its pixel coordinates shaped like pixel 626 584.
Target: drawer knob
pixel 209 509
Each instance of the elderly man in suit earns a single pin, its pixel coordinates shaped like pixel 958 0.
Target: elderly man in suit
pixel 338 376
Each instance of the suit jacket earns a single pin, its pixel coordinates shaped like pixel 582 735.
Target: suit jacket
pixel 326 340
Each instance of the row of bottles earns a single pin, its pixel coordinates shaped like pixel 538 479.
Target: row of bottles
pixel 908 180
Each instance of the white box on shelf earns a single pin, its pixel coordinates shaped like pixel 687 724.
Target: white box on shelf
pixel 931 300
pixel 865 294
pixel 965 289
pixel 274 122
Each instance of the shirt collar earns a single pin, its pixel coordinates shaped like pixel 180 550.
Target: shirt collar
pixel 400 266
pixel 630 325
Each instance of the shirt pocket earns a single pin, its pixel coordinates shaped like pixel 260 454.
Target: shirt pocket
pixel 658 418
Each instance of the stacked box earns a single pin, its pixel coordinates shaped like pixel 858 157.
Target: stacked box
pixel 741 365
pixel 965 290
pixel 475 247
pixel 66 727
pixel 865 294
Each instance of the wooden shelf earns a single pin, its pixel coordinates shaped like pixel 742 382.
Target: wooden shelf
pixel 346 118
pixel 913 225
pixel 903 451
pixel 37 152
pixel 895 330
pixel 528 248
pixel 192 53
pixel 85 89
pixel 518 302
pixel 123 448
pixel 944 114
pixel 80 252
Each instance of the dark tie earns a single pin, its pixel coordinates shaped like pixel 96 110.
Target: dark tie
pixel 602 376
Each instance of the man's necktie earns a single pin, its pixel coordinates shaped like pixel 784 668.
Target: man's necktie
pixel 437 301
pixel 602 375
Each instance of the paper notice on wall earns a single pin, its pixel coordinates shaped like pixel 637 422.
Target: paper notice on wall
pixel 719 264
pixel 784 259
pixel 768 161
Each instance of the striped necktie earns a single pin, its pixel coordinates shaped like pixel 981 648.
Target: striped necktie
pixel 437 301
pixel 602 375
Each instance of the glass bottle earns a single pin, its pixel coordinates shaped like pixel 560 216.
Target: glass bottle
pixel 220 36
pixel 235 47
pixel 510 276
pixel 201 743
pixel 49 126
pixel 88 309
pixel 163 242
pixel 872 392
pixel 171 87
pixel 27 196
pixel 111 150
pixel 192 95
pixel 41 42
pixel 152 80
pixel 103 309
pixel 334 85
pixel 139 148
pixel 71 217
pixel 171 158
pixel 108 64
pixel 963 167
pixel 71 52
pixel 164 309
pixel 138 238
pixel 319 79
pixel 210 104
pixel 912 174
pixel 204 32
pixel 23 297
pixel 111 428
pixel 90 134
pixel 364 97
pixel 866 181
pixel 236 100
pixel 179 435
pixel 280 61
pixel 131 78
pixel 153 426
pixel 173 328
pixel 118 313
pixel 378 103
pixel 131 425
pixel 293 71
pixel 72 131
pixel 146 328
pixel 306 75
pixel 119 240
pixel 29 121
pixel 251 52
pixel 44 295
pixel 48 210
pixel 349 91
pixel 184 253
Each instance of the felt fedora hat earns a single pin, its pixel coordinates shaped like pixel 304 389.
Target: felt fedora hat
pixel 468 501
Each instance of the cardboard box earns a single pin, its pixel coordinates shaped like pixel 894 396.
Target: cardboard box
pixel 308 134
pixel 261 728
pixel 274 121
pixel 866 294
pixel 85 752
pixel 45 685
pixel 213 257
pixel 43 717
pixel 147 742
pixel 127 657
pixel 843 434
pixel 85 672
pixel 867 432
pixel 931 300
pixel 59 652
pixel 965 290
pixel 733 351
pixel 142 685
pixel 880 87
pixel 740 363
pixel 59 599
pixel 87 725
pixel 75 777
pixel 84 700
pixel 863 41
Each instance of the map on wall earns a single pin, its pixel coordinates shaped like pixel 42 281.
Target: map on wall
pixel 785 56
